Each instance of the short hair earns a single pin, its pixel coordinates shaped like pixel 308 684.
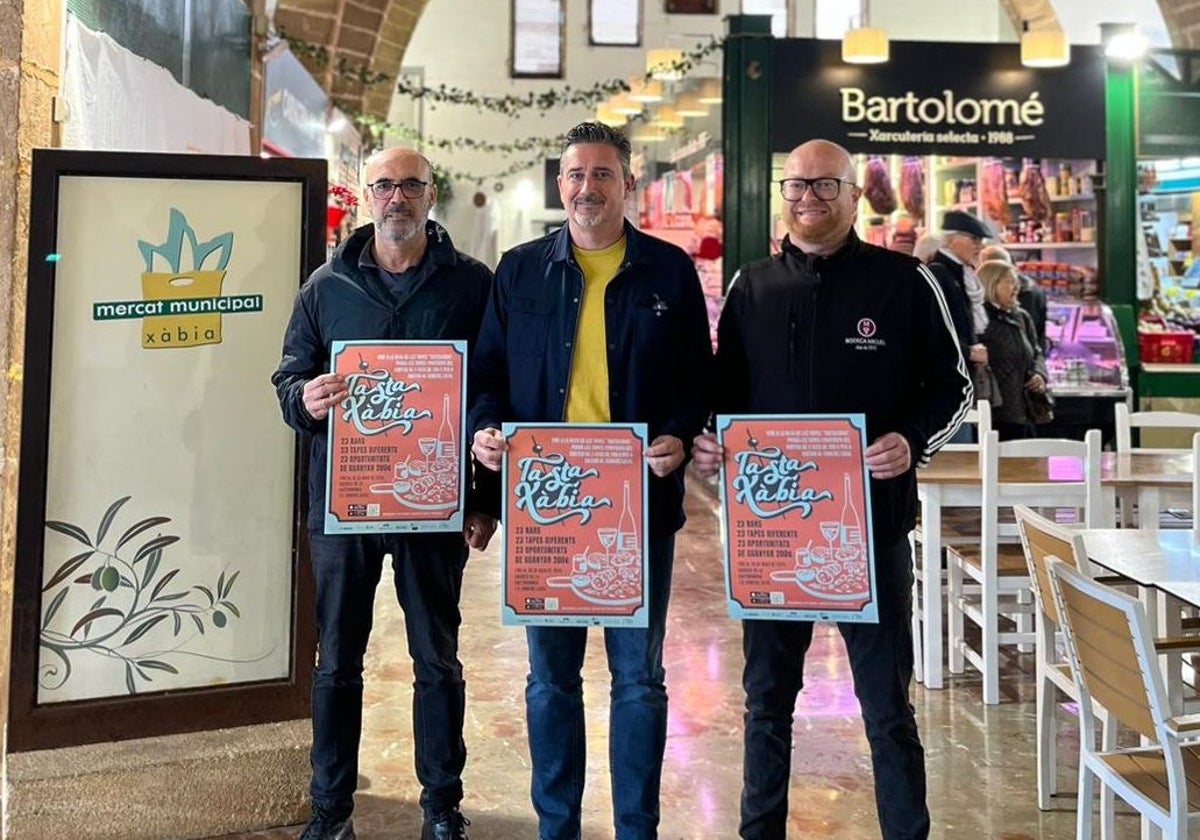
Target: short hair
pixel 995 252
pixel 598 132
pixel 926 246
pixel 990 274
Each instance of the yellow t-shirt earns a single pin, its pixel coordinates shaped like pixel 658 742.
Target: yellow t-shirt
pixel 587 393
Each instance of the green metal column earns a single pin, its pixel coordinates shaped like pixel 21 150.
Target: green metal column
pixel 1118 245
pixel 746 140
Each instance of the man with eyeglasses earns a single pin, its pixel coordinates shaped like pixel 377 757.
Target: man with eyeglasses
pixel 397 278
pixel 831 325
pixel 598 323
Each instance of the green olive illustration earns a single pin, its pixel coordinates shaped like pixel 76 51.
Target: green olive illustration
pixel 218 618
pixel 110 578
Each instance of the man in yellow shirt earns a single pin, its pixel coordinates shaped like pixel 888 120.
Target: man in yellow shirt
pixel 598 323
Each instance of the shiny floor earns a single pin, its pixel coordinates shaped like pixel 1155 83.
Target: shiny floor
pixel 980 760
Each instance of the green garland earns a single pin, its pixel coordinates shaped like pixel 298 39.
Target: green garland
pixel 509 105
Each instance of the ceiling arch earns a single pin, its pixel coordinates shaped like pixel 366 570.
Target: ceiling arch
pixel 371 34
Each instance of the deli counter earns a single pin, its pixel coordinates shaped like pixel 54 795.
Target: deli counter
pixel 1086 363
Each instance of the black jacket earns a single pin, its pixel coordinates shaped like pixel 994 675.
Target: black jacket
pixel 1032 299
pixel 950 276
pixel 445 299
pixel 659 350
pixel 864 330
pixel 1013 356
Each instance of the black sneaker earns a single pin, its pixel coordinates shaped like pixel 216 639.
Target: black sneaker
pixel 451 825
pixel 325 826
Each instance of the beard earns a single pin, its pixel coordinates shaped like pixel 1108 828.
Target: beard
pixel 399 225
pixel 588 213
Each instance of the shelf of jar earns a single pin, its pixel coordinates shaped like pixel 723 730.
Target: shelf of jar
pixel 1048 246
pixel 1062 199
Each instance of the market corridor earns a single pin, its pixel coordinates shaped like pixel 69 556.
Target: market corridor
pixel 980 759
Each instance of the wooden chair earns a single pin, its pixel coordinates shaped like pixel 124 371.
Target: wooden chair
pixel 998 568
pixel 1196 485
pixel 959 525
pixel 1114 665
pixel 1044 541
pixel 1126 422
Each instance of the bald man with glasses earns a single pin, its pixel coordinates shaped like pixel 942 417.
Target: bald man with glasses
pixel 399 277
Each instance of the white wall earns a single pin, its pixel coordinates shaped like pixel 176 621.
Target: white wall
pixel 465 44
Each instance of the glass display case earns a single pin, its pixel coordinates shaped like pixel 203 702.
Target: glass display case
pixel 1086 362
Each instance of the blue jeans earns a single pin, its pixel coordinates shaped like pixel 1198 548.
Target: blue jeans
pixel 428 572
pixel 881 660
pixel 637 716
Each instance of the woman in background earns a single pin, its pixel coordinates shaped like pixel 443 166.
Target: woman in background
pixel 1013 352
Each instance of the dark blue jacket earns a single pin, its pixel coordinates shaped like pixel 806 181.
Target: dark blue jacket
pixel 659 352
pixel 444 300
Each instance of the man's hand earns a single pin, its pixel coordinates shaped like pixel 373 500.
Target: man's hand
pixel 323 393
pixel 978 354
pixel 707 454
pixel 664 455
pixel 489 447
pixel 889 456
pixel 478 529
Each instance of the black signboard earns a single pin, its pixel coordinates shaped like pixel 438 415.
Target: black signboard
pixel 953 99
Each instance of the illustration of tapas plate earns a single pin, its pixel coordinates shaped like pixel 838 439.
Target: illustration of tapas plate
pixel 831 582
pixel 608 587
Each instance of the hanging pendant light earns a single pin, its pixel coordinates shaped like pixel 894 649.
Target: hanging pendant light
pixel 689 105
pixel 622 104
pixel 865 44
pixel 663 64
pixel 608 116
pixel 641 90
pixel 710 92
pixel 1044 47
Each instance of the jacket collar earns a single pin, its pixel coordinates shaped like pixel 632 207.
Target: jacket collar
pixel 350 254
pixel 560 250
pixel 850 248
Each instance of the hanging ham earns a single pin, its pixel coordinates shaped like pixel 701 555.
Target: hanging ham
pixel 912 187
pixel 878 187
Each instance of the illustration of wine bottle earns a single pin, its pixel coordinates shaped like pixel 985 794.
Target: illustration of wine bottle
pixel 627 538
pixel 851 531
pixel 445 432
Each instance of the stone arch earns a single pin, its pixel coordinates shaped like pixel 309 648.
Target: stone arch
pixel 371 34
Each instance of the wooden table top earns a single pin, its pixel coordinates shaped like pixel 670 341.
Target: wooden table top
pixel 1138 469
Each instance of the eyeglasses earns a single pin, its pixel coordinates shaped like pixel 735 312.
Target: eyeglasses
pixel 409 187
pixel 826 189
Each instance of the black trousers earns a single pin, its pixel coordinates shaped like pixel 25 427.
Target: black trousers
pixel 881 660
pixel 428 573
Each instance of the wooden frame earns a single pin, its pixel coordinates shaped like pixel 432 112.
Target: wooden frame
pixel 690 7
pixel 639 26
pixel 34 725
pixel 560 72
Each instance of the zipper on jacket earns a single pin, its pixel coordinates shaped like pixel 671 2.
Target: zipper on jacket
pixel 792 326
pixel 812 338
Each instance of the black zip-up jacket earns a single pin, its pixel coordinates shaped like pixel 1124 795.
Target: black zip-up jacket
pixel 443 300
pixel 659 349
pixel 952 278
pixel 864 330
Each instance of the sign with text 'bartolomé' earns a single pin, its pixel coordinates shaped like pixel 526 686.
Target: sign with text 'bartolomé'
pixel 932 98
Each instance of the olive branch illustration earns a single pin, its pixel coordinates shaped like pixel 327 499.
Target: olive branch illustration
pixel 136 602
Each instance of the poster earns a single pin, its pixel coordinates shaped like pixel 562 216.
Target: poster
pixel 575 539
pixel 394 443
pixel 796 518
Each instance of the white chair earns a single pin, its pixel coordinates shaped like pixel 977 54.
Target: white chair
pixel 1126 422
pixel 999 569
pixel 1114 665
pixel 959 525
pixel 1044 541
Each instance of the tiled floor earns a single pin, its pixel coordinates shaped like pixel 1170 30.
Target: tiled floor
pixel 980 760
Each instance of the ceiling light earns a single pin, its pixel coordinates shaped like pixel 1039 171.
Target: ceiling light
pixel 865 45
pixel 710 92
pixel 1122 41
pixel 648 134
pixel 664 64
pixel 689 105
pixel 606 115
pixel 1045 48
pixel 622 104
pixel 641 90
pixel 667 117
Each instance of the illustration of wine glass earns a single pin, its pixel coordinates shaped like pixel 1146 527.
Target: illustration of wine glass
pixel 829 530
pixel 607 536
pixel 427 445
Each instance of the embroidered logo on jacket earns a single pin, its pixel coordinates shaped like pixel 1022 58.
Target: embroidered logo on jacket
pixel 865 340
